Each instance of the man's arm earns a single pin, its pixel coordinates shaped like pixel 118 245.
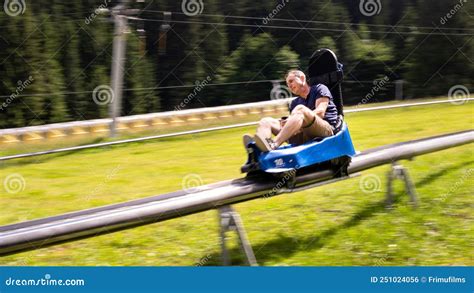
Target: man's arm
pixel 321 106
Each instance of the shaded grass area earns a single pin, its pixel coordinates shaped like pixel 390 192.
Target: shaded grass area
pixel 337 224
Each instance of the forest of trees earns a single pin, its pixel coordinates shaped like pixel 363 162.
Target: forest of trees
pixel 55 53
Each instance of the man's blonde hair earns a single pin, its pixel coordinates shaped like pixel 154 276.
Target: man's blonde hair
pixel 296 72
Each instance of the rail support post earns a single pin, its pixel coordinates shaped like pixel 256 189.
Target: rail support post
pixel 230 220
pixel 399 172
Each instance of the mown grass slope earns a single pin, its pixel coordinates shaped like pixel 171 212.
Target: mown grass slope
pixel 337 224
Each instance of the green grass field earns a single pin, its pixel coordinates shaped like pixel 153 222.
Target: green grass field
pixel 336 224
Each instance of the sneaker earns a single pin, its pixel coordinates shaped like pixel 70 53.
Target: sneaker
pixel 264 144
pixel 247 138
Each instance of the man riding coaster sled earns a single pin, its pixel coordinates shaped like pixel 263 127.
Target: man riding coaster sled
pixel 312 114
pixel 316 132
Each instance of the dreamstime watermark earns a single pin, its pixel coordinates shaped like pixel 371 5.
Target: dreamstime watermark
pixel 378 85
pixel 103 95
pixel 45 281
pixel 444 19
pixel 191 183
pixel 370 183
pixel 96 12
pixel 456 185
pixel 14 7
pixel 280 92
pixel 192 7
pixel 109 176
pixel 370 7
pixel 458 94
pixel 203 261
pixel 198 88
pixel 275 11
pixel 24 261
pixel 381 260
pixel 22 85
pixel 288 177
pixel 14 183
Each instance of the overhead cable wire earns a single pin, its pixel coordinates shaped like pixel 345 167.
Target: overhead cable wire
pixel 319 21
pixel 296 28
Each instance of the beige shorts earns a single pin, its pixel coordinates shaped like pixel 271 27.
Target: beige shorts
pixel 319 128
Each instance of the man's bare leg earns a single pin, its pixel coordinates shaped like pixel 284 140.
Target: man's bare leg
pixel 301 116
pixel 268 126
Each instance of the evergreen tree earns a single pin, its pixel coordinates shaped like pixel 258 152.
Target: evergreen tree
pixel 66 48
pixel 438 62
pixel 257 59
pixel 139 73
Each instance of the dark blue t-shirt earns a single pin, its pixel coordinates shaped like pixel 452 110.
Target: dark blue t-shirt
pixel 317 91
